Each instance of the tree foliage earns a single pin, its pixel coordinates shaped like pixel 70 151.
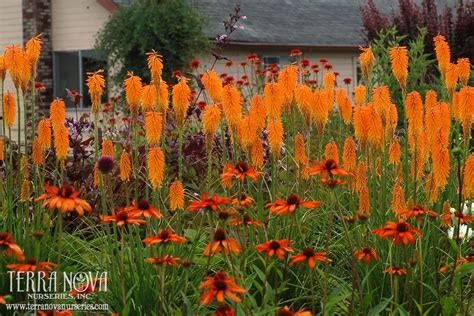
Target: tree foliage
pixel 171 27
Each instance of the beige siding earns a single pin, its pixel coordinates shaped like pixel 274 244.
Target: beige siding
pixel 75 23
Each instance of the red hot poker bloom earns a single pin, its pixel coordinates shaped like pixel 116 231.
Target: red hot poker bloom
pixel 219 286
pixel 163 237
pixel 10 247
pixel 239 171
pixel 310 255
pixel 144 208
pixel 366 254
pixel 207 202
pixel 278 247
pixel 328 168
pixel 398 232
pixel 289 205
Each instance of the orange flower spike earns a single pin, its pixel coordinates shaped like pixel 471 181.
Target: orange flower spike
pixel 10 247
pixel 96 85
pixel 398 199
pixel 164 237
pixel 181 99
pixel 346 111
pixel 153 126
pixel 221 243
pixel 176 195
pixel 394 152
pixel 219 286
pixel 443 54
pixel 133 92
pixel 366 254
pixel 289 206
pixel 155 65
pixel 213 85
pixel 287 79
pixel 329 80
pixel 240 171
pixel 468 185
pixel 57 113
pixel 156 167
pixel 319 108
pixel 414 113
pixel 399 61
pixel 331 151
pixel 125 166
pixel 9 109
pixel 247 132
pixel 2 148
pixel 257 112
pixel 256 153
pixel 364 201
pixel 65 199
pixel 3 69
pixel 463 69
pixel 361 130
pixel 441 159
pixel 375 126
pixel 273 98
pixel 149 97
pixel 367 60
pixel 349 155
pixel 38 154
pixel 311 256
pixel 143 208
pixel 44 133
pixel 108 148
pixel 300 150
pixel 400 232
pixel 33 49
pixel 451 78
pixel 123 218
pixel 278 247
pixel 275 136
pixel 16 63
pixel 360 95
pixel 61 142
pixel 232 105
pixel 304 99
pixel 382 101
pixel 163 96
pixel 210 122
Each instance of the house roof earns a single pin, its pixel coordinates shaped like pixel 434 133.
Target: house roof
pixel 317 23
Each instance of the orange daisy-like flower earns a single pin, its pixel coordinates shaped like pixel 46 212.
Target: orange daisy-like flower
pixel 285 311
pixel 123 218
pixel 399 232
pixel 395 271
pixel 278 247
pixel 418 212
pixel 167 260
pixel 332 183
pixel 65 199
pixel 208 203
pixel 289 206
pixel 224 310
pixel 164 237
pixel 463 219
pixel 10 247
pixel 239 171
pixel 144 208
pixel 219 286
pixel 246 220
pixel 328 168
pixel 221 243
pixel 32 265
pixel 366 254
pixel 310 255
pixel 244 201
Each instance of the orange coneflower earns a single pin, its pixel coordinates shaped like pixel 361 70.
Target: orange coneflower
pixel 61 142
pixel 108 148
pixel 257 112
pixel 288 206
pixel 468 185
pixel 155 64
pixel 143 208
pixel 367 60
pixel 224 310
pixel 398 232
pixel 32 265
pixel 243 201
pixel 44 133
pixel 33 49
pixel 463 219
pixel 399 61
pixel 246 220
pixel 300 150
pixel 310 255
pixel 9 109
pixel 125 166
pixel 181 99
pixel 232 105
pixel 446 217
pixel 219 286
pixel 443 54
pixel 207 202
pixel 65 199
pixel 395 271
pixel 285 311
pixel 278 247
pixel 164 237
pixel 331 151
pixel 213 85
pixel 221 243
pixel 176 195
pixel 273 98
pixel 123 218
pixel 148 97
pixel 167 260
pixel 349 155
pixel 463 70
pixel 418 212
pixel 10 247
pixel 366 254
pixel 95 83
pixel 57 114
pixel 156 167
pixel 153 126
pixel 38 154
pixel 328 168
pixel 451 78
pixel 239 171
pixel 275 136
pixel 133 88
pixel 16 63
pixel 359 95
pixel 210 122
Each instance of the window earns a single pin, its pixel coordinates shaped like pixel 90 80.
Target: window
pixel 70 72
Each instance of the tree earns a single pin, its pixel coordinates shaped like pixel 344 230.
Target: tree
pixel 171 27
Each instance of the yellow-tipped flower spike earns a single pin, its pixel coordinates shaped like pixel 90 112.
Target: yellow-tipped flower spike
pixel 125 166
pixel 61 142
pixel 273 98
pixel 153 126
pixel 367 60
pixel 210 120
pixel 468 188
pixel 44 133
pixel 349 155
pixel 133 89
pixel 155 65
pixel 96 84
pixel 108 148
pixel 57 113
pixel 464 69
pixel 300 150
pixel 9 108
pixel 33 49
pixel 443 54
pixel 176 195
pixel 38 153
pixel 156 167
pixel 213 85
pixel 181 100
pixel 275 136
pixel 232 106
pixel 399 61
pixel 149 97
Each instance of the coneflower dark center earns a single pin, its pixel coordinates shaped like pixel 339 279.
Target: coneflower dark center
pixel 220 285
pixel 293 199
pixel 283 312
pixel 308 252
pixel 143 205
pixel 31 261
pixel 164 235
pixel 66 190
pixel 241 166
pixel 246 219
pixel 367 250
pixel 123 216
pixel 330 164
pixel 219 235
pixel 274 245
pixel 402 227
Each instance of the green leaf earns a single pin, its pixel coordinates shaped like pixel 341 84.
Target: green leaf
pixel 379 308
